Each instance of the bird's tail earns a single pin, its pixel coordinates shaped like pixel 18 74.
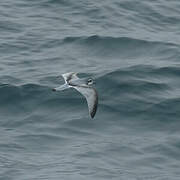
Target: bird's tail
pixel 61 88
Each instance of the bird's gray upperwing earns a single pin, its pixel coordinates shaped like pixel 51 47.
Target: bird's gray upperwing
pixel 70 76
pixel 91 98
pixel 78 82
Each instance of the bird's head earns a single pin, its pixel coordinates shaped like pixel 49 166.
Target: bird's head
pixel 90 81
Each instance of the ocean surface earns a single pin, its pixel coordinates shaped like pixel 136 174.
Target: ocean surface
pixel 132 50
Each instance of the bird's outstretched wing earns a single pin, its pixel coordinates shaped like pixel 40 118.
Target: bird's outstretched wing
pixel 91 98
pixel 70 76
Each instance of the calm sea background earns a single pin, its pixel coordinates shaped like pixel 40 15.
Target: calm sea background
pixel 132 50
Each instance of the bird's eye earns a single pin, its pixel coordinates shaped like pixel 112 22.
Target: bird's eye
pixel 90 81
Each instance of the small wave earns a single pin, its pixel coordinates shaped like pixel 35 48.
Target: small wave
pixel 29 98
pixel 61 2
pixel 134 79
pixel 135 90
pixel 121 47
pixel 20 98
pixel 111 44
pixel 11 26
pixel 165 110
pixel 113 40
pixel 167 71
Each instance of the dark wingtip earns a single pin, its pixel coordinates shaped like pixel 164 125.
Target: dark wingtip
pixel 93 112
pixel 53 89
pixel 92 116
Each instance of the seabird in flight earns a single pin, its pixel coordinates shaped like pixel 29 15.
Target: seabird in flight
pixel 84 87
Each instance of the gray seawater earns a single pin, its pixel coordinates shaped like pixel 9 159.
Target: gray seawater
pixel 131 48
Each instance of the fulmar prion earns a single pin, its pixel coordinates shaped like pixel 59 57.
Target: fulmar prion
pixel 84 87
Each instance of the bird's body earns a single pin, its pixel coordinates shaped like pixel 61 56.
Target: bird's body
pixel 83 86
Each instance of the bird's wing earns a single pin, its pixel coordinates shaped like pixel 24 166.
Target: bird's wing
pixel 69 76
pixel 91 98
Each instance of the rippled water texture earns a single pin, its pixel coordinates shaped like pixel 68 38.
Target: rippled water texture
pixel 132 50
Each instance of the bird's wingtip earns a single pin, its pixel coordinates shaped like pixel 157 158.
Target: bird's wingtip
pixel 92 114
